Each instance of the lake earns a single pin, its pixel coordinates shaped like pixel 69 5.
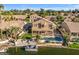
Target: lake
pixel 43 51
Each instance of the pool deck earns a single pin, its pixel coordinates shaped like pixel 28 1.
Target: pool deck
pixel 50 44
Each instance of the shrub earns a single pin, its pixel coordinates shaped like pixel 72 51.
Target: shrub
pixel 26 36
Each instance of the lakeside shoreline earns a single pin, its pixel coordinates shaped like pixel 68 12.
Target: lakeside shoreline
pixel 43 50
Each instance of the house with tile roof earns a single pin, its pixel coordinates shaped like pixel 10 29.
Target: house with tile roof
pixel 42 26
pixel 72 28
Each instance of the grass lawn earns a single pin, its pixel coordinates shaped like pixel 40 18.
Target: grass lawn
pixel 74 45
pixel 44 51
pixel 26 36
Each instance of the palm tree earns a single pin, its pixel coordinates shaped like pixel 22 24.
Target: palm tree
pixel 38 37
pixel 1 8
pixel 65 41
pixel 41 12
pixel 10 15
pixel 14 33
pixel 60 19
pixel 0 34
pixel 7 33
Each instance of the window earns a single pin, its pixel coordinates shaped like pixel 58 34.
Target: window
pixel 36 32
pixel 42 25
pixel 34 20
pixel 35 25
pixel 74 34
pixel 50 32
pixel 50 26
pixel 43 31
pixel 78 34
pixel 39 25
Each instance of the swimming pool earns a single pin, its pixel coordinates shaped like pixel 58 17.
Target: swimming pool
pixel 53 39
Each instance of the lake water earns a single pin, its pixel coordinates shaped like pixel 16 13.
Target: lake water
pixel 43 51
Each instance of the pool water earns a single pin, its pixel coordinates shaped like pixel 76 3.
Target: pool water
pixel 58 38
pixel 51 39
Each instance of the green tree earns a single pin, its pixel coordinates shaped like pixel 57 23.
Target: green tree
pixel 41 12
pixel 14 33
pixel 27 19
pixel 26 36
pixel 1 8
pixel 38 37
pixel 60 19
pixel 0 33
pixel 65 40
pixel 49 12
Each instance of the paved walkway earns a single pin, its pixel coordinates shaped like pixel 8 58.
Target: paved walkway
pixel 3 42
pixel 50 45
pixel 20 43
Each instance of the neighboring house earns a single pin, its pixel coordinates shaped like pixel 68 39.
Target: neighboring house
pixel 14 17
pixel 42 26
pixel 72 28
pixel 71 18
pixel 67 19
pixel 8 24
pixel 51 18
pixel 33 17
pixel 20 17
